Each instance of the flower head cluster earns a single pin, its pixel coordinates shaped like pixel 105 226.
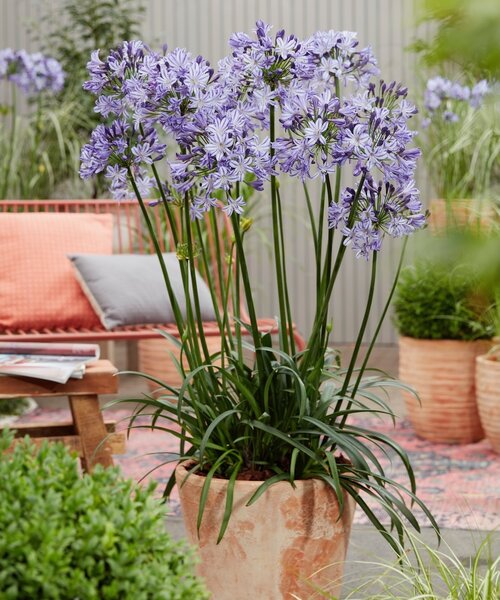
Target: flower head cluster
pixel 32 73
pixel 337 58
pixel 321 90
pixel 445 96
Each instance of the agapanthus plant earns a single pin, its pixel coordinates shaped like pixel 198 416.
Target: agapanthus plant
pixel 460 138
pixel 22 138
pixel 275 106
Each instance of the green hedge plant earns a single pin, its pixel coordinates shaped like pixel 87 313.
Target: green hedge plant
pixel 97 536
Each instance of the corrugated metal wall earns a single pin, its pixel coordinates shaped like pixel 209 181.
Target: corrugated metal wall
pixel 203 26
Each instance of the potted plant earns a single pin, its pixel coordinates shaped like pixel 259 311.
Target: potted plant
pixel 460 143
pixel 441 310
pixel 34 156
pixel 271 465
pixel 488 382
pixel 64 535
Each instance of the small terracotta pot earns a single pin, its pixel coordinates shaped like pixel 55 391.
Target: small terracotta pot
pixel 288 542
pixel 155 359
pixel 488 397
pixel 443 374
pixel 459 212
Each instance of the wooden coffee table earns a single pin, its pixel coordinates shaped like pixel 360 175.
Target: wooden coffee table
pixel 87 433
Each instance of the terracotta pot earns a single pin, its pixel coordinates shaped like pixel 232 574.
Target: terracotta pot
pixel 488 397
pixel 287 542
pixel 459 212
pixel 443 374
pixel 154 357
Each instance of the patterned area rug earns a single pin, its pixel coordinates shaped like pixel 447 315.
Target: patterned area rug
pixel 459 484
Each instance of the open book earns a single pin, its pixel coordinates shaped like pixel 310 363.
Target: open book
pixel 42 360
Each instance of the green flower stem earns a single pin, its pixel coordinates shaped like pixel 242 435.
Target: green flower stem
pixel 194 283
pixel 213 295
pixel 280 275
pixel 311 218
pixel 319 252
pixel 329 249
pixel 375 335
pixel 179 320
pixel 12 141
pixel 240 257
pixel 236 308
pixel 166 205
pixel 310 357
pixel 224 291
pixel 361 333
pixel 237 299
pixel 285 281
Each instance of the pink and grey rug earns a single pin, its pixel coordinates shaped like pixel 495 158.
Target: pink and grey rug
pixel 459 484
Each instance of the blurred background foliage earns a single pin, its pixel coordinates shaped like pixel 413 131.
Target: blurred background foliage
pixel 40 144
pixel 466 35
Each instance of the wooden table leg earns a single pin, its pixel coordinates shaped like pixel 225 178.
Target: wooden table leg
pixel 90 428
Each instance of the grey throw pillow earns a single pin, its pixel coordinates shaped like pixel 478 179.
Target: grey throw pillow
pixel 128 289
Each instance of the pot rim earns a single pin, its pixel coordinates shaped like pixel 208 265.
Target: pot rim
pixel 412 340
pixel 221 482
pixel 489 359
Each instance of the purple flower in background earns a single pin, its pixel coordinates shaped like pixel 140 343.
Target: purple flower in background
pixel 32 73
pixel 444 94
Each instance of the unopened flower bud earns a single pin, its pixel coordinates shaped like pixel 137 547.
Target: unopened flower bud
pixel 182 251
pixel 245 223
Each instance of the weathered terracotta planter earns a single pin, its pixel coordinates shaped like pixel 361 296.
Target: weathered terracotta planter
pixel 459 212
pixel 286 543
pixel 443 374
pixel 488 397
pixel 155 358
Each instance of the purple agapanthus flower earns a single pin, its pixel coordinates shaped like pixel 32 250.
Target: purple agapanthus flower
pixel 441 93
pixel 220 121
pixel 32 73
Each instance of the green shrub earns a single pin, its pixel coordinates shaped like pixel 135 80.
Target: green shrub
pixel 439 301
pixel 95 536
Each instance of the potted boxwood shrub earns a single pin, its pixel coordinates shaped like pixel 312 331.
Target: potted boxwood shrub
pixel 65 535
pixel 271 464
pixel 442 318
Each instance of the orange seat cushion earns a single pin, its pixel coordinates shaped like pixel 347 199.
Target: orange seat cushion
pixel 38 288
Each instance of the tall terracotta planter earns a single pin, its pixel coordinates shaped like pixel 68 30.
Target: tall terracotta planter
pixel 459 212
pixel 443 374
pixel 488 397
pixel 287 542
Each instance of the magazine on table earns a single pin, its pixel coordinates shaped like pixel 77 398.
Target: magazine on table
pixel 43 360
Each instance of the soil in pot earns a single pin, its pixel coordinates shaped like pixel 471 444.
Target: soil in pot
pixel 288 542
pixel 460 213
